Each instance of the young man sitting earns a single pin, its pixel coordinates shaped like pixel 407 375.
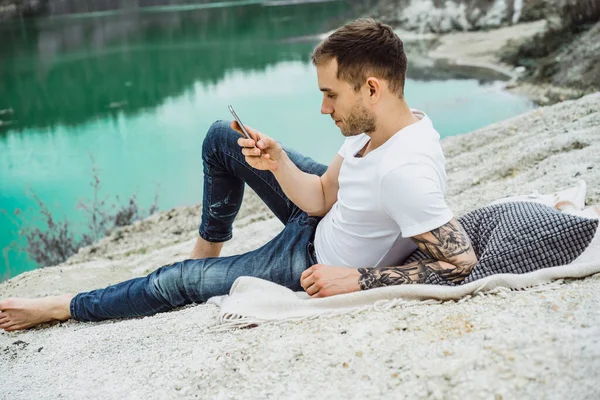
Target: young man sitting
pixel 381 198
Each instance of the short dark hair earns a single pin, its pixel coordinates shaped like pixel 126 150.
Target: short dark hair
pixel 364 48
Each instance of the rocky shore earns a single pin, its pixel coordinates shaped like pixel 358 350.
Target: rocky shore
pixel 548 49
pixel 516 345
pixel 576 68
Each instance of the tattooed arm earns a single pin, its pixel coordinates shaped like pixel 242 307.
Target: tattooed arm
pixel 451 256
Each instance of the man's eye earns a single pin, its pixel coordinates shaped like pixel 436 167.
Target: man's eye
pixel 331 96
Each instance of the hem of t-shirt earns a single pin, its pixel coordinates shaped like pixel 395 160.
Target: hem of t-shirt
pixel 428 226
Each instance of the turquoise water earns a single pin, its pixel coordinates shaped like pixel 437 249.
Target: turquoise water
pixel 137 91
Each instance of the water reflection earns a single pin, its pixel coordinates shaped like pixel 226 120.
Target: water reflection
pixel 69 71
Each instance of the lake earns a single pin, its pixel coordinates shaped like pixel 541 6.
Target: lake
pixel 131 91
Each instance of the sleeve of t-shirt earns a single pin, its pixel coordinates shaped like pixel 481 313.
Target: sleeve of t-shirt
pixel 413 197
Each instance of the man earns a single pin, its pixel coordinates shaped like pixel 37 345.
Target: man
pixel 348 226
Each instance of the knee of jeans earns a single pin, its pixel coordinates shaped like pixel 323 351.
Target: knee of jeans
pixel 178 283
pixel 167 284
pixel 219 135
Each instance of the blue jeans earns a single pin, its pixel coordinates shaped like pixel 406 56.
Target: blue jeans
pixel 282 260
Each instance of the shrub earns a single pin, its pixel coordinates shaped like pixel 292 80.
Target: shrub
pixel 49 241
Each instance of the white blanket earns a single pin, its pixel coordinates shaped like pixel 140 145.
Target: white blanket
pixel 253 301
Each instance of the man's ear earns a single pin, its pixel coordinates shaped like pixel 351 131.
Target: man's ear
pixel 374 87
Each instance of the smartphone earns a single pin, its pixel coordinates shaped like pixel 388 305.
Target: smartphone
pixel 243 127
pixel 240 123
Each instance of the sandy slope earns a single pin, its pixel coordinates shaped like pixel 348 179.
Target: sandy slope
pixel 521 345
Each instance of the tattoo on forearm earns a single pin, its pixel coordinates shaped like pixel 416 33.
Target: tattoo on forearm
pixel 452 258
pixel 387 276
pixel 416 272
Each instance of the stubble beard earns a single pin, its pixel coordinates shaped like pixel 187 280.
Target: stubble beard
pixel 359 121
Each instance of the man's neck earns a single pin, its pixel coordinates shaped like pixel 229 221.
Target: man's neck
pixel 397 117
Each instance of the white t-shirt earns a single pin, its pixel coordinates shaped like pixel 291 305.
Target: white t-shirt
pixel 396 191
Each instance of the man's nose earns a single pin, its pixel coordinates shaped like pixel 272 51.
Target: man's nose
pixel 325 109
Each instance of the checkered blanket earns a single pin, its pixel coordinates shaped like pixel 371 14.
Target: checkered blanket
pixel 520 237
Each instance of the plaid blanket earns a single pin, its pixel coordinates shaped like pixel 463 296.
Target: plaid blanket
pixel 520 237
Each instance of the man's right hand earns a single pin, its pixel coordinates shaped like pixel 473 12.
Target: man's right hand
pixel 268 153
pixel 312 193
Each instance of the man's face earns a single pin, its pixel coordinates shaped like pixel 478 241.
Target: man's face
pixel 344 105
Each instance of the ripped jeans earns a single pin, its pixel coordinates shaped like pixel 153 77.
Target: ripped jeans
pixel 282 260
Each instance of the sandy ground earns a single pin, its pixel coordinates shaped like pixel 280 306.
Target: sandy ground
pixel 518 345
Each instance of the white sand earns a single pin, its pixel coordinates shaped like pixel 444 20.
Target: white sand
pixel 521 345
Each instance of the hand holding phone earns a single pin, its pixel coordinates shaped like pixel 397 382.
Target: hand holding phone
pixel 266 152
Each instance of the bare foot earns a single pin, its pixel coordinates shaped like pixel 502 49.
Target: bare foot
pixel 17 313
pixel 204 249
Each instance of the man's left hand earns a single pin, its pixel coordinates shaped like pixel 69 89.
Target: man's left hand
pixel 325 280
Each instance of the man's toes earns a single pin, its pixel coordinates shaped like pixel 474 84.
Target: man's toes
pixel 14 328
pixel 7 325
